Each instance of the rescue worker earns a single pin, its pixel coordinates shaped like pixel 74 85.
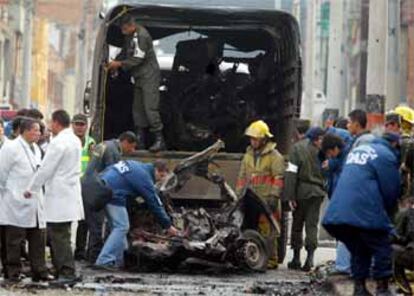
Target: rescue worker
pixel 262 169
pixel 305 191
pixel 104 154
pixel 80 129
pixel 406 121
pixel 360 208
pixel 403 246
pixel 125 179
pixel 138 57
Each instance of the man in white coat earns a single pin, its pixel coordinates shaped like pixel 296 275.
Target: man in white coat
pixel 60 172
pixel 24 218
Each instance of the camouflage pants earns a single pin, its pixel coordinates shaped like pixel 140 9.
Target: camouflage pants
pixel 145 107
pixel 306 215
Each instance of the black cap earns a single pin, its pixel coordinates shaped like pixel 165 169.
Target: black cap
pixel 393 117
pixel 81 118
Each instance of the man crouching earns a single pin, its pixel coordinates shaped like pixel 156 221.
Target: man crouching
pixel 111 189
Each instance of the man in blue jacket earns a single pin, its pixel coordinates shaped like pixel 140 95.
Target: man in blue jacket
pixel 129 179
pixel 359 211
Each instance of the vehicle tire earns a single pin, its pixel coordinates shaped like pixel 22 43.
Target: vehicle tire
pixel 283 238
pixel 254 252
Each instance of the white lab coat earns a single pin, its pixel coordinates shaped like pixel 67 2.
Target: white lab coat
pixel 60 172
pixel 17 166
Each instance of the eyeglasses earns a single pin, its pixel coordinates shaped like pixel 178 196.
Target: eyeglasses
pixel 79 123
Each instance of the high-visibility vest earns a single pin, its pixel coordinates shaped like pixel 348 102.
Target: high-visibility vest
pixel 86 153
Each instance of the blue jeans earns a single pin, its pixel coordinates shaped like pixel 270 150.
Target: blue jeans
pixel 113 250
pixel 343 258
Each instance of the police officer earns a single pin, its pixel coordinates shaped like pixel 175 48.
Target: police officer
pixel 138 57
pixel 262 169
pixel 80 129
pixel 305 190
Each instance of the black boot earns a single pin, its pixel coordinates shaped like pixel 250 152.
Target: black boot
pixel 309 261
pixel 383 288
pixel 295 263
pixel 360 288
pixel 140 132
pixel 159 143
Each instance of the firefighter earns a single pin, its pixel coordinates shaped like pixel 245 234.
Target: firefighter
pixel 406 122
pixel 305 191
pixel 138 57
pixel 262 170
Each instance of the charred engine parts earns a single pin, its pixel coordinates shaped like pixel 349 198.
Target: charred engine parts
pixel 210 237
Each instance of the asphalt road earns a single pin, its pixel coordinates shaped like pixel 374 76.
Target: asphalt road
pixel 278 282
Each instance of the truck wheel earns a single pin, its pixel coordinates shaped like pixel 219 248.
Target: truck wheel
pixel 254 252
pixel 283 238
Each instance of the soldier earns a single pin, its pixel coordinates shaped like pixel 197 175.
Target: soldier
pixel 262 169
pixel 139 58
pixel 80 128
pixel 305 191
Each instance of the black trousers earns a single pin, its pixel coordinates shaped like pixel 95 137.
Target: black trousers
pixel 62 255
pixel 37 243
pixel 3 252
pixel 366 246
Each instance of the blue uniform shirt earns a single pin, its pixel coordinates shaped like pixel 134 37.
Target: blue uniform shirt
pixel 129 178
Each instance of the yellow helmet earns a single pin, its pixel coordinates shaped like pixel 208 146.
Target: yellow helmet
pixel 406 113
pixel 258 129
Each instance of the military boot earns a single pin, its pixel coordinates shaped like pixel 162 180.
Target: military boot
pixel 295 263
pixel 360 288
pixel 140 132
pixel 383 288
pixel 309 261
pixel 159 143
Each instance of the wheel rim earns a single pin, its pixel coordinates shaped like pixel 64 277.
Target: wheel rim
pixel 252 254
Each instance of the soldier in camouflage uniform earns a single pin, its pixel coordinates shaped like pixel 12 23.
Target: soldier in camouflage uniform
pixel 138 57
pixel 262 170
pixel 305 191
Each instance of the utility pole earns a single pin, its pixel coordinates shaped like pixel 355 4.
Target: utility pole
pixel 29 7
pixel 394 67
pixel 82 58
pixel 377 56
pixel 307 102
pixel 278 4
pixel 335 87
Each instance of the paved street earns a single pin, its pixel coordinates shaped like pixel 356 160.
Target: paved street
pixel 280 282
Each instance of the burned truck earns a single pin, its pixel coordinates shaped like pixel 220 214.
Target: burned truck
pixel 220 236
pixel 222 68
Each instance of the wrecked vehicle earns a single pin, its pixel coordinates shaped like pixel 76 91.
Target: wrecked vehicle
pixel 220 236
pixel 222 68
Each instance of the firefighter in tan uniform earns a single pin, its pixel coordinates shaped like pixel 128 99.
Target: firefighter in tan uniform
pixel 262 170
